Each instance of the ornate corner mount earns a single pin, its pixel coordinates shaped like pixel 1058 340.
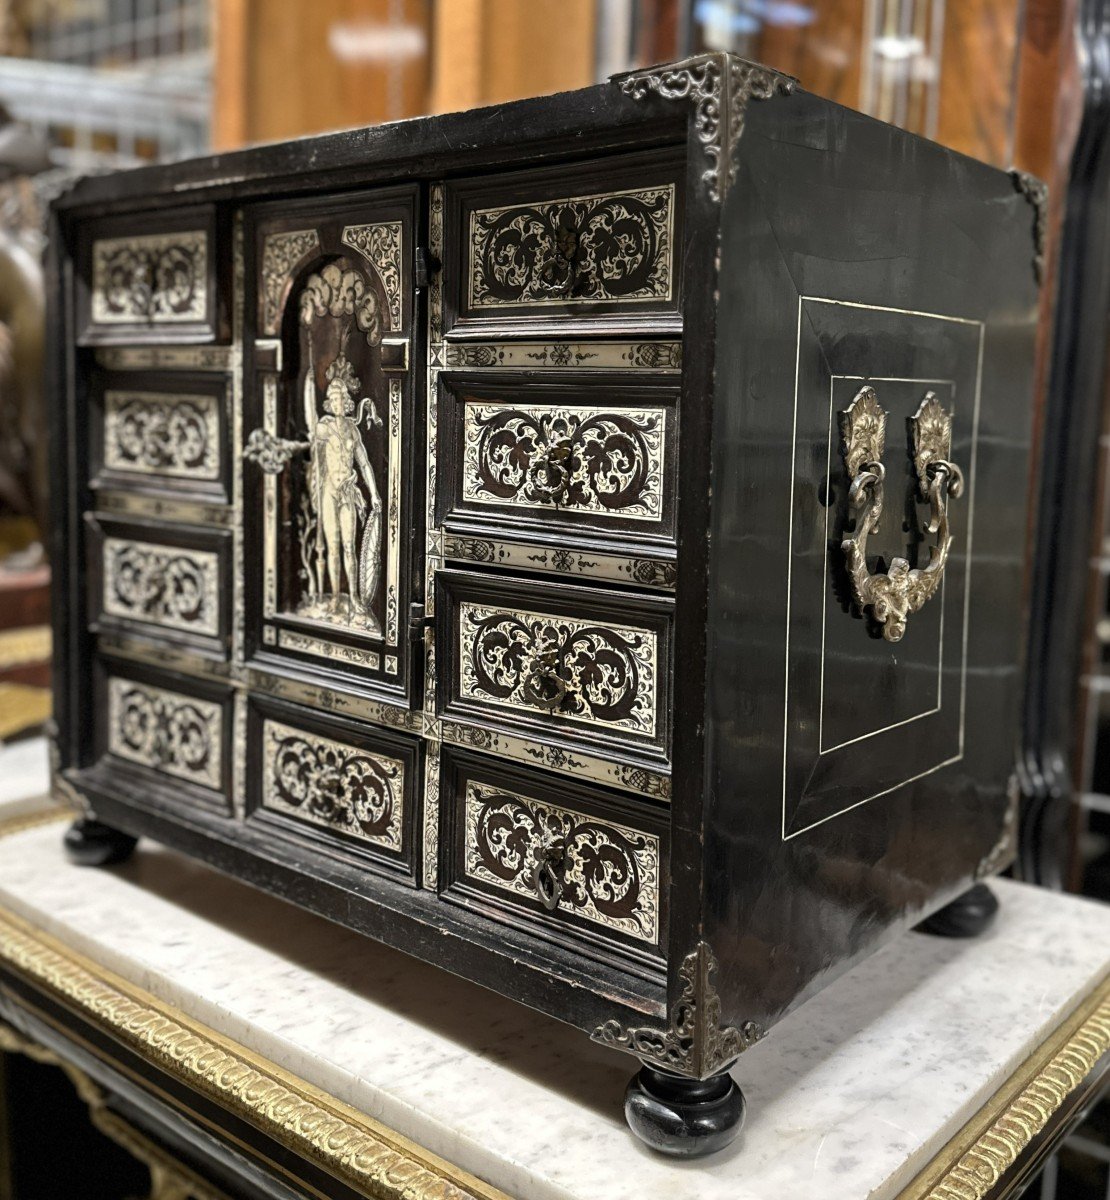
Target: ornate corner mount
pixel 1003 851
pixel 720 87
pixel 695 1044
pixel 1036 192
pixel 61 790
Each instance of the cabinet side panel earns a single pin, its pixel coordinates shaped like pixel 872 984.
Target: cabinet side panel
pixel 856 783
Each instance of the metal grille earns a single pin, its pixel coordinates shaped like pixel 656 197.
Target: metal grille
pixel 110 83
pixel 110 33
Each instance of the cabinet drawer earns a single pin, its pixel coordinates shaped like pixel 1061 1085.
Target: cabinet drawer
pixel 331 784
pixel 164 433
pixel 567 246
pixel 570 861
pixel 584 665
pixel 174 731
pixel 155 579
pixel 582 461
pixel 150 277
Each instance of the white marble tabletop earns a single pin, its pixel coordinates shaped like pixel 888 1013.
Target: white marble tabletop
pixel 849 1097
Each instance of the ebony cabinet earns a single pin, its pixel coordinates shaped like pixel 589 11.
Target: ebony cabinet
pixel 580 543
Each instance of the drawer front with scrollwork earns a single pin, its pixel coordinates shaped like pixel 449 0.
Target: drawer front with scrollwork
pixel 343 788
pixel 151 277
pixel 571 662
pixel 553 247
pixel 161 432
pixel 160 581
pixel 583 461
pixel 165 727
pixel 565 858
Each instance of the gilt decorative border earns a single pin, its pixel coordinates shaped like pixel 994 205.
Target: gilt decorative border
pixel 975 1163
pixel 353 1147
pixel 170 1179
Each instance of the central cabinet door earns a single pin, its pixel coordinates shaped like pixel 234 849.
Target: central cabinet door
pixel 329 443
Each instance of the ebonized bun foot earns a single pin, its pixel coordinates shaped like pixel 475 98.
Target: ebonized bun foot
pixel 91 844
pixel 687 1118
pixel 967 916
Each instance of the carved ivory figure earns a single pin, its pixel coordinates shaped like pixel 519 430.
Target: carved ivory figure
pixel 339 461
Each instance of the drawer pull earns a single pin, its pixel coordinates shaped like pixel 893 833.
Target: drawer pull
pixel 544 685
pixel 549 471
pixel 558 274
pixel 547 875
pixel 893 596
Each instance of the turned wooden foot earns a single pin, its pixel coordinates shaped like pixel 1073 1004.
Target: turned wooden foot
pixel 967 916
pixel 91 844
pixel 687 1118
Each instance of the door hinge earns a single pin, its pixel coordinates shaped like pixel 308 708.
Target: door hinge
pixel 419 620
pixel 422 268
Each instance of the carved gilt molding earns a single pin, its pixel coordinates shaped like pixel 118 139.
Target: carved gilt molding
pixel 355 1148
pixel 694 1044
pixel 720 86
pixel 169 1179
pixel 977 1160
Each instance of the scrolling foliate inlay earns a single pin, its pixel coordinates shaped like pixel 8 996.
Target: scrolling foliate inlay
pixel 573 669
pixel 162 585
pixel 333 785
pixel 380 245
pixel 161 278
pixel 616 246
pixel 170 1180
pixel 720 87
pixel 607 873
pixel 589 459
pixel 359 1151
pixel 604 356
pixel 157 434
pixel 166 731
pixel 281 254
pixel 648 572
pixel 695 1044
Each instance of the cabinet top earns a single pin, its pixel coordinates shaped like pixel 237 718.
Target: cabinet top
pixel 705 94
